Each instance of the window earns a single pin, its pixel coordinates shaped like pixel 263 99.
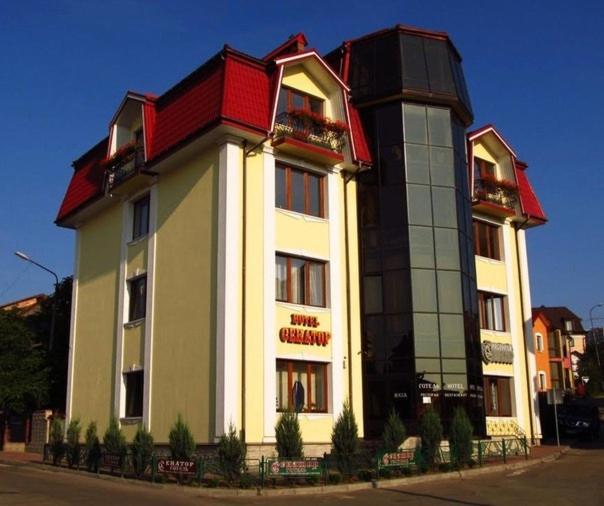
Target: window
pixel 483 168
pixel 568 325
pixel 140 221
pixel 138 298
pixel 542 381
pixel 300 191
pixel 134 393
pixel 290 100
pixel 300 281
pixel 492 311
pixel 539 342
pixel 309 378
pixel 498 396
pixel 486 240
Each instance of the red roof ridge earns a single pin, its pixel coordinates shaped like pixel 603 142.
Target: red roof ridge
pixel 299 41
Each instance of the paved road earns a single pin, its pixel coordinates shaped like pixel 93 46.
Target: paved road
pixel 573 479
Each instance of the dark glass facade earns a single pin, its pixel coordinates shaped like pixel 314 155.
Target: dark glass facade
pixel 421 342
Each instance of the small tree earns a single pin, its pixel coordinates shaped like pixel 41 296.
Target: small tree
pixel 394 434
pixel 73 442
pixel 142 450
pixel 289 437
pixel 114 439
pixel 182 444
pixel 460 438
pixel 431 432
pixel 93 447
pixel 57 446
pixel 345 440
pixel 231 454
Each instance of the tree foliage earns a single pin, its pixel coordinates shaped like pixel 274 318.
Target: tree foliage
pixel 345 440
pixel 289 437
pixel 57 446
pixel 231 454
pixel 73 442
pixel 93 447
pixel 431 432
pixel 142 449
pixel 182 444
pixel 24 374
pixel 114 439
pixel 460 438
pixel 394 434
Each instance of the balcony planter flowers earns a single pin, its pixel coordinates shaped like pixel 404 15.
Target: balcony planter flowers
pixel 313 128
pixel 492 182
pixel 123 155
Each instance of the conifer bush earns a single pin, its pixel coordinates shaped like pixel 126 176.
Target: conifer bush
pixel 142 450
pixel 114 439
pixel 182 444
pixel 73 443
pixel 345 440
pixel 93 447
pixel 431 432
pixel 394 434
pixel 231 454
pixel 57 446
pixel 460 438
pixel 289 437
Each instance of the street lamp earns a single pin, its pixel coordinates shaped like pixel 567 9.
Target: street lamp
pixel 593 335
pixel 26 258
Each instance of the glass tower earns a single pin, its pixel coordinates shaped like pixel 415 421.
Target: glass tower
pixel 421 342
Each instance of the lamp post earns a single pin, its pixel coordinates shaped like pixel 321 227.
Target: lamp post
pixel 26 258
pixel 593 335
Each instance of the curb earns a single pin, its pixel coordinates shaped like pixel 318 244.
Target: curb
pixel 318 490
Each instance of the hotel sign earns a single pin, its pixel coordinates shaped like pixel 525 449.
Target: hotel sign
pixel 176 466
pixel 304 331
pixel 497 352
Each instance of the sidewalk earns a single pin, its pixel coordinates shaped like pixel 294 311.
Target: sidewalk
pixel 539 454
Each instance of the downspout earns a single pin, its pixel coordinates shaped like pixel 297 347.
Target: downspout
pixel 526 364
pixel 348 296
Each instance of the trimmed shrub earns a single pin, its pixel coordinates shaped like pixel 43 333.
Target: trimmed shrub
pixel 57 446
pixel 246 481
pixel 93 448
pixel 345 440
pixel 114 439
pixel 73 443
pixel 460 438
pixel 142 450
pixel 231 455
pixel 289 437
pixel 394 434
pixel 431 432
pixel 182 444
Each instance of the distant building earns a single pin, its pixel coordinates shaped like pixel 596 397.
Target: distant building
pixel 559 343
pixel 25 307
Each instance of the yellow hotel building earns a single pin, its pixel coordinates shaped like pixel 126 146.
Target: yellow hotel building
pixel 297 223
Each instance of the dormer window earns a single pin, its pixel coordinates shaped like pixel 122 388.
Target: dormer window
pixel 291 100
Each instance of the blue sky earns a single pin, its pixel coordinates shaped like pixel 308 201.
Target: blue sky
pixel 534 69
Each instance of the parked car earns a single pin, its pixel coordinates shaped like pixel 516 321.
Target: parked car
pixel 579 418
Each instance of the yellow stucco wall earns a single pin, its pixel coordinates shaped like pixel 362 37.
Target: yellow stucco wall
pixel 183 372
pixel 306 235
pixel 136 255
pixel 98 279
pixel 491 275
pixel 134 346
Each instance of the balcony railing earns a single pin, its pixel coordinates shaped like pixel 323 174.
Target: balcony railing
pixel 311 128
pixel 501 192
pixel 123 164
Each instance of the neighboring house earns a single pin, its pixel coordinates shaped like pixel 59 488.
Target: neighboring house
pixel 504 207
pixel 563 342
pixel 16 429
pixel 298 230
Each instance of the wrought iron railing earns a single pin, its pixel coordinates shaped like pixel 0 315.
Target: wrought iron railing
pixel 502 193
pixel 122 165
pixel 312 129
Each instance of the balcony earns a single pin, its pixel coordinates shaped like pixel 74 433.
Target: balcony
pixel 496 196
pixel 309 135
pixel 123 165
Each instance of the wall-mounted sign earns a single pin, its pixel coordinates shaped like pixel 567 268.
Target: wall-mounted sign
pixel 497 352
pixel 308 335
pixel 174 466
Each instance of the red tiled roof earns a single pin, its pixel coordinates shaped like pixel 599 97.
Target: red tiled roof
pixel 531 207
pixel 87 180
pixel 231 88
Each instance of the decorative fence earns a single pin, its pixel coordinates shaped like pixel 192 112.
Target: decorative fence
pixel 271 472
